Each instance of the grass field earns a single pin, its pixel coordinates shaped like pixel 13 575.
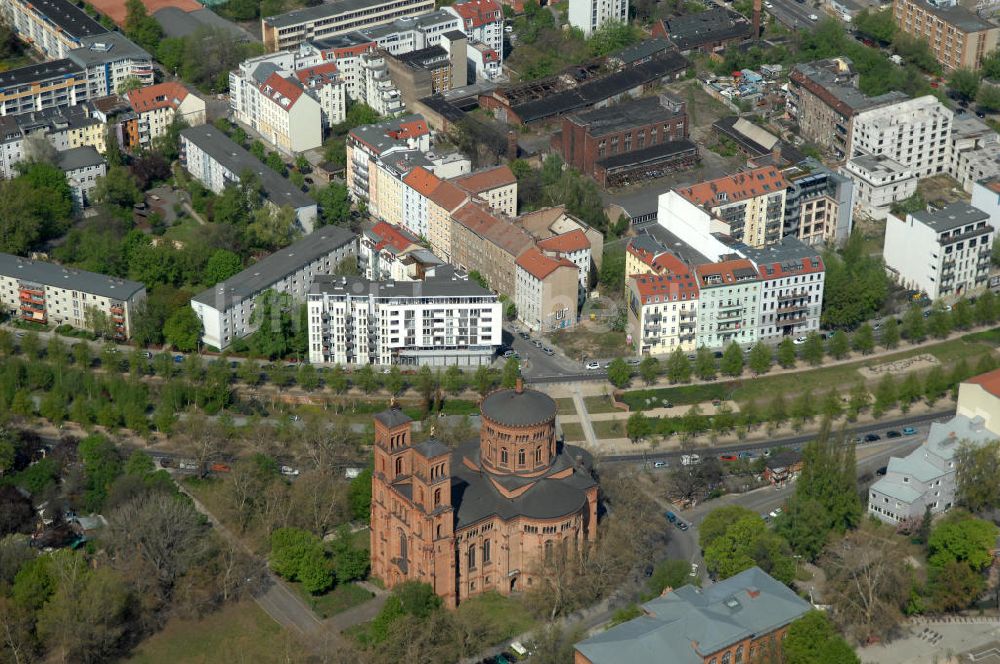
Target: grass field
pixel 342 597
pixel 600 404
pixel 237 634
pixel 581 342
pixel 565 406
pixel 609 428
pixel 505 617
pixel 572 431
pixel 183 231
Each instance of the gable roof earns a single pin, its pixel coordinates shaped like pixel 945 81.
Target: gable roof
pixel 989 381
pixel 422 181
pixel 487 179
pixel 736 187
pixel 447 196
pixel 725 273
pixel 476 13
pixel 153 97
pixel 321 73
pixel 282 91
pixel 674 286
pixel 540 266
pixel 386 235
pixel 575 240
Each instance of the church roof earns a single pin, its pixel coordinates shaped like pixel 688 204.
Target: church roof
pixel 518 409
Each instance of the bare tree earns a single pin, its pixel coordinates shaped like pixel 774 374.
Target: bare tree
pixel 318 502
pixel 204 441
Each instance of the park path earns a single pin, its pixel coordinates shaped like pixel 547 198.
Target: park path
pixel 584 418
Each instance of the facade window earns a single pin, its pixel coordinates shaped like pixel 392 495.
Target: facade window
pixel 486 551
pixel 472 556
pixel 538 455
pixel 437 497
pixel 739 654
pixel 399 466
pixel 726 657
pixel 503 455
pixel 520 457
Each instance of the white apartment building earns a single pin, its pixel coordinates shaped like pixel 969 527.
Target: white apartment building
pixel 730 293
pixel 926 477
pixel 791 296
pixel 482 22
pixel 575 247
pixel 915 132
pixel 52 27
pixel 879 182
pixel 443 320
pixel 226 310
pixel 379 90
pixel 62 128
pixel 217 162
pixel 589 15
pixel 331 19
pixel 345 51
pixel 158 105
pixel 663 310
pixel 975 151
pixel 381 250
pixel 546 291
pixel 82 167
pixel 47 293
pixel 944 253
pixel 413 34
pixel 986 197
pixel 111 59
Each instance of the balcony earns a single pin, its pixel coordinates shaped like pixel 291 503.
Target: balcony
pixel 687 324
pixel 791 308
pixel 793 320
pixel 792 295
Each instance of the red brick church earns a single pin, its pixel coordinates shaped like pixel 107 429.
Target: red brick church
pixel 477 517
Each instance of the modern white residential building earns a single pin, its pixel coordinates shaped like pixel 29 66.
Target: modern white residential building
pixel 663 309
pixel 345 51
pixel 589 15
pixel 52 27
pixel 217 162
pixel 944 253
pixel 41 292
pixel 482 22
pixel 986 197
pixel 60 128
pixel 442 320
pixel 111 60
pixel 915 132
pixel 82 167
pixel 391 253
pixel 791 297
pixel 379 91
pixel 406 35
pixel 975 151
pixel 730 293
pixel 879 182
pixel 158 105
pixel 336 18
pixel 226 309
pixel 819 204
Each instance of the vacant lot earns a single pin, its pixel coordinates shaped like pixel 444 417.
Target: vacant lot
pixel 582 342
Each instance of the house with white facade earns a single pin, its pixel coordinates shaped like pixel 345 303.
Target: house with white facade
pixel 60 128
pixel 589 15
pixel 915 132
pixel 157 106
pixel 441 321
pixel 879 182
pixel 482 22
pixel 546 290
pixel 406 35
pixel 391 253
pixel 111 60
pixel 663 309
pixel 944 253
pixel 791 297
pixel 986 197
pixel 730 293
pixel 82 167
pixel 226 310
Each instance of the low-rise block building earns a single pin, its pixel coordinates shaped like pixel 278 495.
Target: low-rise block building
pixel 547 291
pixel 880 182
pixel 157 106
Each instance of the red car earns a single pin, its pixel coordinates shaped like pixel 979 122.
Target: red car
pixel 728 457
pixel 220 468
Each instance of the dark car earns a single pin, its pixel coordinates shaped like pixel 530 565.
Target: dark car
pixel 872 437
pixel 682 525
pixel 893 434
pixel 671 517
pixel 980 114
pixel 882 471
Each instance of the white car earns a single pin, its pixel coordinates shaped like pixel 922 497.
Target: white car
pixel 592 366
pixel 690 460
pixel 289 471
pixel 660 464
pixel 634 362
pixel 813 17
pixel 798 341
pixel 694 569
pixel 769 5
pixel 775 512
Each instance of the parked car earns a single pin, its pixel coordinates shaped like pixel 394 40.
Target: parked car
pixel 537 344
pixel 178 359
pixel 893 434
pixel 634 362
pixel 872 437
pixel 220 468
pixel 813 17
pixel 775 512
pixel 728 457
pixel 909 431
pixel 798 341
pixel 690 459
pixel 288 471
pixel 548 351
pixel 681 525
pixel 660 464
pixel 694 570
pixel 508 353
pixel 593 366
pixel 524 335
pixel 146 354
pixel 671 517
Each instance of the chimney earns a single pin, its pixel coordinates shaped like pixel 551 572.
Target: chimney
pixel 756 19
pixel 512 144
pixel 519 386
pixel 776 153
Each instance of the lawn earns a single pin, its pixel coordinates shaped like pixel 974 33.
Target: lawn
pixel 503 616
pixel 183 230
pixel 990 337
pixel 211 491
pixel 682 395
pixel 343 597
pixel 235 634
pixel 572 431
pixel 580 342
pixel 565 406
pixel 600 404
pixel 604 429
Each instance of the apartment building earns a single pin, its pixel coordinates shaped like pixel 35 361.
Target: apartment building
pixel 217 162
pixel 974 152
pixel 391 253
pixel 555 230
pixel 40 292
pixel 482 21
pixel 546 292
pixel 226 310
pixel 54 84
pixel 111 60
pixel 406 35
pixel 791 276
pixel 429 203
pixel 331 19
pixel 483 242
pixel 663 308
pixel 575 247
pixel 880 181
pixel 345 52
pixel 157 106
pixel 819 204
pixel 370 143
pixel 82 166
pixel 379 90
pixel 22 136
pixel 496 185
pixel 823 99
pixel 590 15
pixel 441 321
pixel 730 293
pixel 52 27
pixel 986 197
pixel 432 70
pixel 958 38
pixel 943 253
pixel 750 204
pixel 915 132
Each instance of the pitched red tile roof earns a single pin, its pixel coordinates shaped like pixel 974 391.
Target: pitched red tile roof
pixel 447 196
pixel 325 72
pixel 538 265
pixel 279 89
pixel 989 381
pixel 410 129
pixel 730 272
pixel 392 236
pixel 476 13
pixel 485 180
pixel 736 187
pixel 575 240
pixel 161 95
pixel 663 261
pixel 654 288
pixel 350 51
pixel 422 181
pixel 505 235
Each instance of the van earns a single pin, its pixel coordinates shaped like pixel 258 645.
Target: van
pixel 690 459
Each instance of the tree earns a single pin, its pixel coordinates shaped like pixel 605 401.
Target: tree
pixel 935 384
pixel 985 311
pixel 272 228
pixel 988 97
pixel 393 381
pixel 962 538
pixel 863 339
pixel 976 470
pixel 271 314
pixel 890 334
pixel 669 574
pixel 704 364
pixel 222 265
pixel 638 426
pixel 298 555
pixel 142 27
pixel 838 345
pixel 954 586
pixel 812 639
pixel 619 373
pixel 965 83
pixel 879 25
pixel 716 522
pixel 812 349
pixel 649 369
pixel 760 358
pixel 101 466
pixel 855 286
pixel 939 323
pixel 732 360
pixel 307 377
pixel 678 367
pixel 914 328
pixel 183 329
pixel 786 353
pixel 886 395
pixel 962 315
pixel 334 204
pixel 748 542
pixel 511 372
pixel 454 380
pixel 118 190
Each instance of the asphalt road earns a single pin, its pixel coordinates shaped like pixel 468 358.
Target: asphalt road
pixel 793 14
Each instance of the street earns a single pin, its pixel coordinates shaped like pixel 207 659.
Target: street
pixel 794 15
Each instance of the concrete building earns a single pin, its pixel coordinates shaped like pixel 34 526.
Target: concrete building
pixel 52 27
pixel 496 185
pixel 709 31
pixel 111 60
pixel 331 19
pixel 370 143
pixel 819 204
pixel 54 84
pixel 555 230
pixel 739 619
pixel 157 106
pixel 482 22
pixel 749 204
pixel 663 308
pixel 791 275
pixel 390 253
pixel 440 321
pixel 915 132
pixel 432 70
pixel 823 99
pixel 594 135
pixel 40 292
pixel 576 247
pixel 482 241
pixel 82 167
pixel 547 291
pixel 31 134
pixel 217 162
pixel 479 517
pixel 944 253
pixel 958 38
pixel 226 309
pixel 590 15
pixel 986 197
pixel 974 151
pixel 406 35
pixel 345 52
pixel 730 296
pixel 880 182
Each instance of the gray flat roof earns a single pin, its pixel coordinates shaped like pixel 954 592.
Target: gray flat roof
pixel 959 16
pixel 879 163
pixel 68 17
pixel 234 158
pixel 789 249
pixel 81 157
pixel 273 268
pixel 376 135
pixel 325 10
pixel 433 286
pixel 107 47
pixel 50 274
pixel 951 216
pixel 435 17
pixel 47 120
pixel 619 117
pixel 179 23
pixel 678 247
pixel 39 72
pixel 644 49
